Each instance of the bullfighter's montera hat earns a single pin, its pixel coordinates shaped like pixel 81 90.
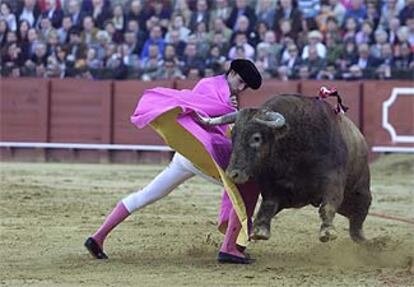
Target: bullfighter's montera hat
pixel 248 72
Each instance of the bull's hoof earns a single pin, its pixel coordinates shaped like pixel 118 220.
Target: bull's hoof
pixel 260 233
pixel 358 237
pixel 327 234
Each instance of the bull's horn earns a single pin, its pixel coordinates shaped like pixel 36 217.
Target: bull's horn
pixel 225 119
pixel 272 119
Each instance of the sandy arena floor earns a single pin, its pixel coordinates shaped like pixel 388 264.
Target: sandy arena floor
pixel 48 209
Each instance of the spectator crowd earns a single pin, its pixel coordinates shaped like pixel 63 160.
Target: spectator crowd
pixel 178 39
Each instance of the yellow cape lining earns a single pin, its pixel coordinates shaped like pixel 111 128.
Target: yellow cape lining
pixel 186 144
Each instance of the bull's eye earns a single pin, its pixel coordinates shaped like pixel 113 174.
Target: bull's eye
pixel 255 140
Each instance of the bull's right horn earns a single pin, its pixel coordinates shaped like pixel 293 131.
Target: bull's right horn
pixel 225 119
pixel 272 119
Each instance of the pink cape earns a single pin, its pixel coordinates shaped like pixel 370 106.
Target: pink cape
pixel 210 97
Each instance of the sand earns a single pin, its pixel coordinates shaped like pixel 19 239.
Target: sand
pixel 47 210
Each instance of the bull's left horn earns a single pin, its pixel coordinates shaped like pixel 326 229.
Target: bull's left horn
pixel 272 119
pixel 225 119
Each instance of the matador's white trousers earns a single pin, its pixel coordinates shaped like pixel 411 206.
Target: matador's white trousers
pixel 179 170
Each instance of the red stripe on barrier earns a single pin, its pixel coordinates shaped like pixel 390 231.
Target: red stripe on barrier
pixel 391 217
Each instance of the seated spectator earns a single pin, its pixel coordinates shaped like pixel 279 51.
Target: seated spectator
pixel 140 34
pixel 349 56
pixel 75 13
pixel 100 12
pixel 389 10
pixel 292 62
pixel 266 12
pixel 373 13
pixel 358 11
pixel 162 10
pixel 132 43
pixel 310 9
pixel 11 58
pixel 364 36
pixel 170 71
pixel 240 9
pixel 202 40
pixel 36 65
pixel 365 61
pixel 7 15
pixel 76 48
pixel 402 36
pixel 351 28
pixel 137 13
pixel 315 62
pixel 181 7
pixel 315 41
pixel 88 35
pixel 220 41
pixel 286 10
pixel 44 27
pixel 3 32
pixel 28 46
pixel 152 64
pixel 154 39
pixel 338 11
pixel 22 32
pixel 178 25
pixel 266 60
pixel 380 38
pixel 103 40
pixel 221 10
pixel 63 31
pixel 220 27
pixel 304 73
pixel 393 27
pixel 178 44
pixel 53 13
pixel 52 42
pixel 274 47
pixel 403 57
pixel 170 54
pixel 215 61
pixel 29 11
pixel 332 28
pixel 191 60
pixel 131 60
pixel 241 41
pixel 118 19
pixel 386 55
pixel 410 25
pixel 334 50
pixel 200 15
pixel 243 26
pixel 407 12
pixel 259 33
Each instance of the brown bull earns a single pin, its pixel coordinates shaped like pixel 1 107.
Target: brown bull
pixel 301 152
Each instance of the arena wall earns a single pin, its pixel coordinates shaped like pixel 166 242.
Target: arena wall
pixel 81 120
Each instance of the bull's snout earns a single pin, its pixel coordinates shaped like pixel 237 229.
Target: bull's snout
pixel 237 175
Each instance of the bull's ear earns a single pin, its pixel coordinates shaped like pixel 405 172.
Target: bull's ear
pixel 271 119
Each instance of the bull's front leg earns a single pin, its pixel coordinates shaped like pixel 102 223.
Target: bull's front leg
pixel 261 227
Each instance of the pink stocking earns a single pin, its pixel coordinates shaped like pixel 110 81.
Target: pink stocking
pixel 118 214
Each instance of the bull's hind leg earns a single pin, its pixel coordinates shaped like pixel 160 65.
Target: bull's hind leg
pixel 355 208
pixel 330 204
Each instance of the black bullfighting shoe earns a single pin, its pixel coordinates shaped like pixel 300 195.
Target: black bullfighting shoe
pixel 233 259
pixel 94 249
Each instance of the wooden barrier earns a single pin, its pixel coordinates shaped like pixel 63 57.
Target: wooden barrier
pixel 98 112
pixel 24 110
pixel 388 111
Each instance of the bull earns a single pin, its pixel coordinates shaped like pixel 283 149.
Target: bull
pixel 301 152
